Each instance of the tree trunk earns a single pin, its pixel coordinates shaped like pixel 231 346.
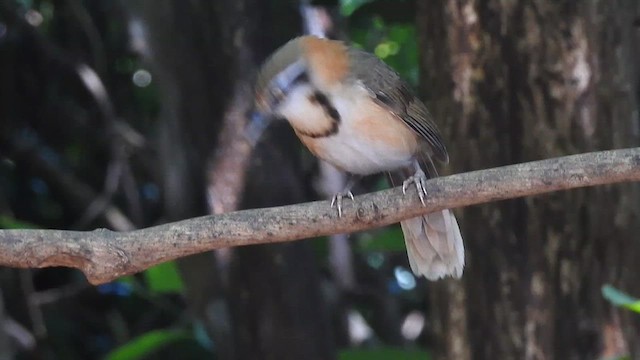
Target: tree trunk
pixel 514 81
pixel 201 52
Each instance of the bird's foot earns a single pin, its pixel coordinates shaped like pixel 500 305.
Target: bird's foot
pixel 337 200
pixel 419 179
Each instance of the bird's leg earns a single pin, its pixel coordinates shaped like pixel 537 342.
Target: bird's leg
pixel 420 179
pixel 346 192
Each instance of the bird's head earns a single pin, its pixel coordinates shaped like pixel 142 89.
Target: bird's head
pixel 279 75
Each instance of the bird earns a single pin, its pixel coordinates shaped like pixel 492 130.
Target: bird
pixel 355 112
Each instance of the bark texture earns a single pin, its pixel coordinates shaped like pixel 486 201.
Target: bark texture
pixel 205 54
pixel 104 255
pixel 514 81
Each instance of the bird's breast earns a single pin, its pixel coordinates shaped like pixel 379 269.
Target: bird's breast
pixel 350 131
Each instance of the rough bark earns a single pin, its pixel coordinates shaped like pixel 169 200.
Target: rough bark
pixel 223 41
pixel 181 43
pixel 104 255
pixel 514 81
pixel 282 300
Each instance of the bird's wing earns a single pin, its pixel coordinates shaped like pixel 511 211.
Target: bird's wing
pixel 388 89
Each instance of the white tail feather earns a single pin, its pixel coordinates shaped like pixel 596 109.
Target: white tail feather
pixel 434 245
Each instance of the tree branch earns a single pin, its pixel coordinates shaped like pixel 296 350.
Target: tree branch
pixel 104 255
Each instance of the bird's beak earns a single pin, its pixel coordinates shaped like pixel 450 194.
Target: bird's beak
pixel 258 123
pixel 272 94
pixel 281 85
pixel 288 77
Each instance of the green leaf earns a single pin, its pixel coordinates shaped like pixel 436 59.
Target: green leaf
pixel 146 344
pixel 164 278
pixel 320 246
pixel 8 222
pixel 383 354
pixel 390 239
pixel 621 299
pixel 347 7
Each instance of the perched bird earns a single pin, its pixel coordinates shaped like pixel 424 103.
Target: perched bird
pixel 353 111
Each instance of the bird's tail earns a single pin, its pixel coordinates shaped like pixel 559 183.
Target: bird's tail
pixel 434 243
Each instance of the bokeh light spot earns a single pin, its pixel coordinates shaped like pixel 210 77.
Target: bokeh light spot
pixel 142 78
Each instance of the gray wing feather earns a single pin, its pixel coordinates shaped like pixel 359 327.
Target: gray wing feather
pixel 389 90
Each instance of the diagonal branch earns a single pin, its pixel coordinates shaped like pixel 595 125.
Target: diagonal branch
pixel 104 255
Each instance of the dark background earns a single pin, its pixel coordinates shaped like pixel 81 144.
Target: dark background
pixel 111 115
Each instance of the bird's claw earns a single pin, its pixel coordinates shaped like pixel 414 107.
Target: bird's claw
pixel 337 200
pixel 419 179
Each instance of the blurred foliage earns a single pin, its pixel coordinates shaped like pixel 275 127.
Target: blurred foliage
pixel 164 278
pixel 621 299
pixel 389 239
pixel 347 7
pixel 395 44
pixel 384 354
pixel 148 345
pixel 8 222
